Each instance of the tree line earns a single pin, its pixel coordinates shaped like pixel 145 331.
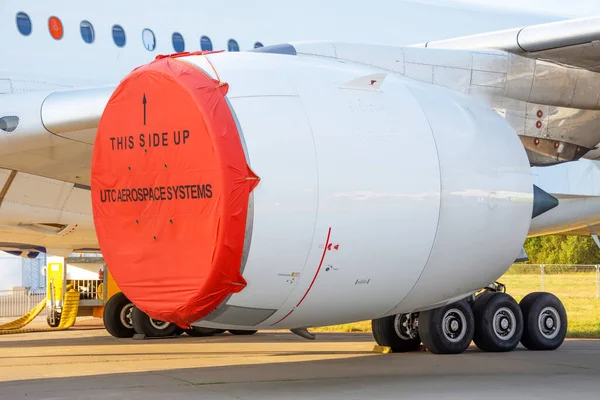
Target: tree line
pixel 561 249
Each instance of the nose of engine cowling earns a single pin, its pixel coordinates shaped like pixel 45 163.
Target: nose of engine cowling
pixel 542 202
pixel 170 191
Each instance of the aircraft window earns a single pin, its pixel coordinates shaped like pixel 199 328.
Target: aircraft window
pixel 232 45
pixel 205 43
pixel 87 31
pixel 258 45
pixel 118 35
pixel 55 27
pixel 178 42
pixel 24 23
pixel 149 39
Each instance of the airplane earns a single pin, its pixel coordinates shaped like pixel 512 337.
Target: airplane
pixel 376 168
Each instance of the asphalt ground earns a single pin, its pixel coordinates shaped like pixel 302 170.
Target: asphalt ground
pixel 87 363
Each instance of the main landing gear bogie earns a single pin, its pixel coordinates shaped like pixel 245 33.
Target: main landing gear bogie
pixel 493 320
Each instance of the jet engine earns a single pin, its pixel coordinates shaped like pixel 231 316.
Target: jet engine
pixel 267 190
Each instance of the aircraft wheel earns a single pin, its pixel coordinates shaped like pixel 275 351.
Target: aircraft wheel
pixel 398 332
pixel 117 316
pixel 241 332
pixel 498 322
pixel 56 320
pixel 142 323
pixel 447 329
pixel 545 321
pixel 197 331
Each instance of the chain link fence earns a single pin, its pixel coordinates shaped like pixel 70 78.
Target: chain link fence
pixel 564 280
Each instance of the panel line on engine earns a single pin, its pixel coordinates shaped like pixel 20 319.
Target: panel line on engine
pixel 313 280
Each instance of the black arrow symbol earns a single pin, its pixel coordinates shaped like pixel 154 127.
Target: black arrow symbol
pixel 144 103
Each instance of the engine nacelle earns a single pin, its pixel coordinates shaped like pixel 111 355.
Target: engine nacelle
pixel 336 193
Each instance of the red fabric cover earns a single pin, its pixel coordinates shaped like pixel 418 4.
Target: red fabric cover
pixel 174 250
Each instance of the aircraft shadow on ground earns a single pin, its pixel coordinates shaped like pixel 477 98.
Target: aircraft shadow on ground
pixel 269 378
pixel 347 367
pixel 277 337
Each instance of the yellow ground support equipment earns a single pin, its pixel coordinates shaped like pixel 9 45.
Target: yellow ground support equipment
pixel 67 317
pixel 68 298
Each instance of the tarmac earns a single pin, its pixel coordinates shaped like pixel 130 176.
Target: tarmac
pixel 86 363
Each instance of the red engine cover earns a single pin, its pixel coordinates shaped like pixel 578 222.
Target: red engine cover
pixel 170 189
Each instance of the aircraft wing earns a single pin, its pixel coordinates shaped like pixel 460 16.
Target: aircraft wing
pixel 552 69
pixel 46 141
pixel 51 133
pixel 574 42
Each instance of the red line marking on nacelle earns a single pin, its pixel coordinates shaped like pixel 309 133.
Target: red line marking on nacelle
pixel 286 315
pixel 318 269
pixel 327 246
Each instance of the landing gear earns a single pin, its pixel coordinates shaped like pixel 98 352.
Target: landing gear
pixel 545 321
pixel 448 329
pixel 117 316
pixel 498 322
pixel 400 332
pixel 495 322
pixel 143 324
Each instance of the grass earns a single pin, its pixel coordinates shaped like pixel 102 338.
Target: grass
pixel 577 291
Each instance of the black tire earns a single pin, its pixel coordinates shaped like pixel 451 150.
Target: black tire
pixel 498 322
pixel 448 329
pixel 219 331
pixel 117 316
pixel 56 320
pixel 197 331
pixel 482 298
pixel 386 332
pixel 540 310
pixel 241 332
pixel 143 324
pixel 180 331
